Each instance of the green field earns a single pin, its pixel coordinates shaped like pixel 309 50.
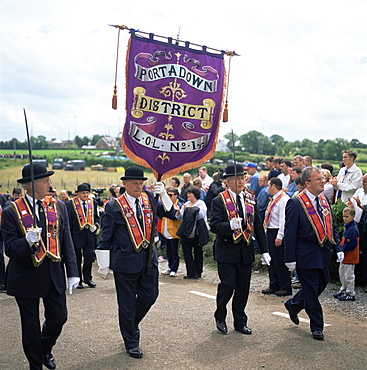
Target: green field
pixel 68 180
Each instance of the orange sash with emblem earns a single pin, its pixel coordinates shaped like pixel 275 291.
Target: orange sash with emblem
pixel 24 215
pixel 323 228
pixel 140 238
pixel 270 207
pixel 82 220
pixel 230 207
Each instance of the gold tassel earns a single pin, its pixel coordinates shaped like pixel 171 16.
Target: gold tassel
pixel 114 97
pixel 225 112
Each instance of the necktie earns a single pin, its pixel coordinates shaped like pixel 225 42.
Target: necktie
pixel 139 214
pixel 85 209
pixel 318 208
pixel 42 219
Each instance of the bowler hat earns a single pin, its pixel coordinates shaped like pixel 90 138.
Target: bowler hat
pixel 39 171
pixel 82 187
pixel 233 170
pixel 134 173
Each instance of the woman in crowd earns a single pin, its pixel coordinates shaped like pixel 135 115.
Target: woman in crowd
pixel 192 247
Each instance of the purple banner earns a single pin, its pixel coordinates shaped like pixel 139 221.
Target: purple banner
pixel 173 103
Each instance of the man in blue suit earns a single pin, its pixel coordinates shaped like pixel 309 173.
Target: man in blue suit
pixel 38 258
pixel 309 234
pixel 127 228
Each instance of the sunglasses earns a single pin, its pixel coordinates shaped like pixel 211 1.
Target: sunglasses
pixel 170 195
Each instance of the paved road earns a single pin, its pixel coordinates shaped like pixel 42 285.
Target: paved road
pixel 179 333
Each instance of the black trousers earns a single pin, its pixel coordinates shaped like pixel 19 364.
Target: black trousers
pixel 279 275
pixel 85 272
pixel 363 248
pixel 136 293
pixel 172 254
pixel 2 262
pixel 194 264
pixel 37 341
pixel 234 281
pixel 314 282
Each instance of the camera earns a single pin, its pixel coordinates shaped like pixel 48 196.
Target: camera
pixel 97 193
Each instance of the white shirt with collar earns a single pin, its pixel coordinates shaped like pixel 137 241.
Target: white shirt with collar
pixel 349 182
pixel 277 215
pixel 30 199
pixel 234 196
pixel 132 200
pixel 362 195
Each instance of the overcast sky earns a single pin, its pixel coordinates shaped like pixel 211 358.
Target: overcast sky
pixel 302 72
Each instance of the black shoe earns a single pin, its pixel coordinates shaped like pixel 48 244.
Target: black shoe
pixel 135 352
pixel 2 287
pixel 269 291
pixel 80 286
pixel 317 334
pixel 244 330
pixel 283 293
pixel 90 283
pixel 191 277
pixel 49 361
pixel 337 295
pixel 221 326
pixel 292 315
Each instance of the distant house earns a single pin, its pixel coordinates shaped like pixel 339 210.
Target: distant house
pixel 222 146
pixel 107 142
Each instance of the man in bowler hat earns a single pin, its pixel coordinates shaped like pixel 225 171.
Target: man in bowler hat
pixel 84 224
pixel 127 227
pixel 38 257
pixel 235 219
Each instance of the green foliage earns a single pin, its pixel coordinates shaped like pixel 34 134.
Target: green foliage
pixel 337 211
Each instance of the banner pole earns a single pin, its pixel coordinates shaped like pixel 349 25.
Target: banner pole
pixel 122 27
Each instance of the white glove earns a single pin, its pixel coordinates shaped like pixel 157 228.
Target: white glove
pixel 266 259
pixel 73 282
pixel 291 265
pixel 235 223
pixel 103 272
pixel 33 235
pixel 92 229
pixel 166 200
pixel 340 256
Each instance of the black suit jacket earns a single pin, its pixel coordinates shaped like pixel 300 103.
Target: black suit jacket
pixel 24 280
pixel 300 241
pixel 225 249
pixel 84 237
pixel 115 237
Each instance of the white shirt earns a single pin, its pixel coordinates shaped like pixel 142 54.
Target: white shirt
pixel 277 214
pixel 132 200
pixel 202 210
pixel 285 179
pixel 350 182
pixel 36 211
pixel 206 181
pixel 361 195
pixel 234 196
pixel 329 191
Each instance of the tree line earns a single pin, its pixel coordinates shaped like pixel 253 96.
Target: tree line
pixel 40 142
pixel 255 142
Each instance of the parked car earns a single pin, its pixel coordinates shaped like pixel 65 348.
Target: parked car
pixel 58 164
pixel 42 161
pixel 75 165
